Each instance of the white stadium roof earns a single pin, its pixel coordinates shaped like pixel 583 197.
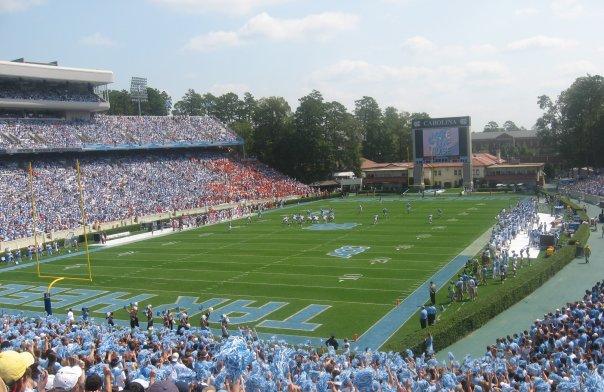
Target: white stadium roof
pixel 10 69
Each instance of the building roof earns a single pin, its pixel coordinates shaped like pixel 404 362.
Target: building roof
pixel 517 165
pixel 367 164
pixel 11 69
pixel 529 133
pixel 480 159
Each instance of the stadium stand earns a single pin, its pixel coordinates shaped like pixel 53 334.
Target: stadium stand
pixel 131 185
pixel 561 352
pixel 17 89
pixel 590 186
pixel 109 132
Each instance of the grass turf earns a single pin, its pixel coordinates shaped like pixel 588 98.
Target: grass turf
pixel 267 261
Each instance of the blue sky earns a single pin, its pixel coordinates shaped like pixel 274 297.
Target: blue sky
pixel 489 59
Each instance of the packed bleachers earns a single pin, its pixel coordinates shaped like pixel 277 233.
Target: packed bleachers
pixel 591 186
pixel 134 185
pixel 18 89
pixel 563 352
pixel 111 131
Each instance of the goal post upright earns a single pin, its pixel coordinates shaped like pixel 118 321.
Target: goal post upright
pixel 84 217
pixel 34 215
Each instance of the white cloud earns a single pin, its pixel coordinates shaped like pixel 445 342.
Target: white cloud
pixel 577 68
pixel 362 72
pixel 419 44
pixel 97 39
pixel 238 7
pixel 18 5
pixel 237 88
pixel 567 9
pixel 526 11
pixel 540 42
pixel 213 40
pixel 311 27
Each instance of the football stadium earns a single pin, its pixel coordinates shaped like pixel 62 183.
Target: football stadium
pixel 232 242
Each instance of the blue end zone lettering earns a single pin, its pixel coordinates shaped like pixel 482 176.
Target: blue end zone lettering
pixel 190 304
pixel 113 301
pixel 67 298
pixel 298 321
pixel 251 314
pixel 331 226
pixel 16 294
pixel 347 251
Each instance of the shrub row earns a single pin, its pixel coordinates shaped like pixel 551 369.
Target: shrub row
pixel 475 314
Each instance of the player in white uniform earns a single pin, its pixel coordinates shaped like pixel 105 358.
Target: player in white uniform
pixel 375 219
pixel 430 218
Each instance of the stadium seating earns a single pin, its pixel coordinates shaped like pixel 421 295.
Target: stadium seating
pixel 130 185
pixel 17 89
pixel 561 352
pixel 112 131
pixel 591 186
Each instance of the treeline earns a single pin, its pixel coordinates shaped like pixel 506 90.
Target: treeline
pixel 158 103
pixel 573 124
pixel 311 142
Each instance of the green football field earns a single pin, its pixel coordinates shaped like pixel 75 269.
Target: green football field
pixel 276 278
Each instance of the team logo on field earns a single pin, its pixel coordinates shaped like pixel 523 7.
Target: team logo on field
pixel 452 220
pixel 404 247
pixel 331 226
pixel 472 209
pixel 463 213
pixel 423 236
pixel 439 227
pixel 347 251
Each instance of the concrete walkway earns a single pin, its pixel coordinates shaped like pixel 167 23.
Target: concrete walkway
pixel 568 285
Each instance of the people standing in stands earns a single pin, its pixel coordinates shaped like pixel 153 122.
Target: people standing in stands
pixel 133 313
pixel 224 325
pixel 332 342
pixel 109 318
pixel 149 314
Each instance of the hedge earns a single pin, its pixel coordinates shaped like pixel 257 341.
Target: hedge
pixel 477 313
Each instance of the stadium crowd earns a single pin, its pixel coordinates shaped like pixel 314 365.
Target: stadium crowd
pixel 591 186
pixel 111 131
pixel 49 92
pixel 562 352
pixel 121 187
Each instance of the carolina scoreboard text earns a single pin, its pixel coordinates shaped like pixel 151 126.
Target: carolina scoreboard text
pixel 438 140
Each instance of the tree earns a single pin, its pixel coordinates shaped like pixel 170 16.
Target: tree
pixel 343 133
pixel 189 105
pixel 492 126
pixel 377 142
pixel 510 126
pixel 574 124
pixel 120 103
pixel 272 131
pixel 158 103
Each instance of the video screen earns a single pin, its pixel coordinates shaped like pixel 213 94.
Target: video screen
pixel 441 142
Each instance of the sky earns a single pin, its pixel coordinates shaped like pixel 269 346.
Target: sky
pixel 489 59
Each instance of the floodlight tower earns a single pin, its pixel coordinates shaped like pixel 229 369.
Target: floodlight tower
pixel 138 91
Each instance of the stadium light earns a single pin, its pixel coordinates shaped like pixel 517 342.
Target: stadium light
pixel 138 91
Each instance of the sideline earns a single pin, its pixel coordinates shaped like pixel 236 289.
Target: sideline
pixel 568 285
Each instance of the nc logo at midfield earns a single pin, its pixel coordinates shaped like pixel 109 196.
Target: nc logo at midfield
pixel 347 251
